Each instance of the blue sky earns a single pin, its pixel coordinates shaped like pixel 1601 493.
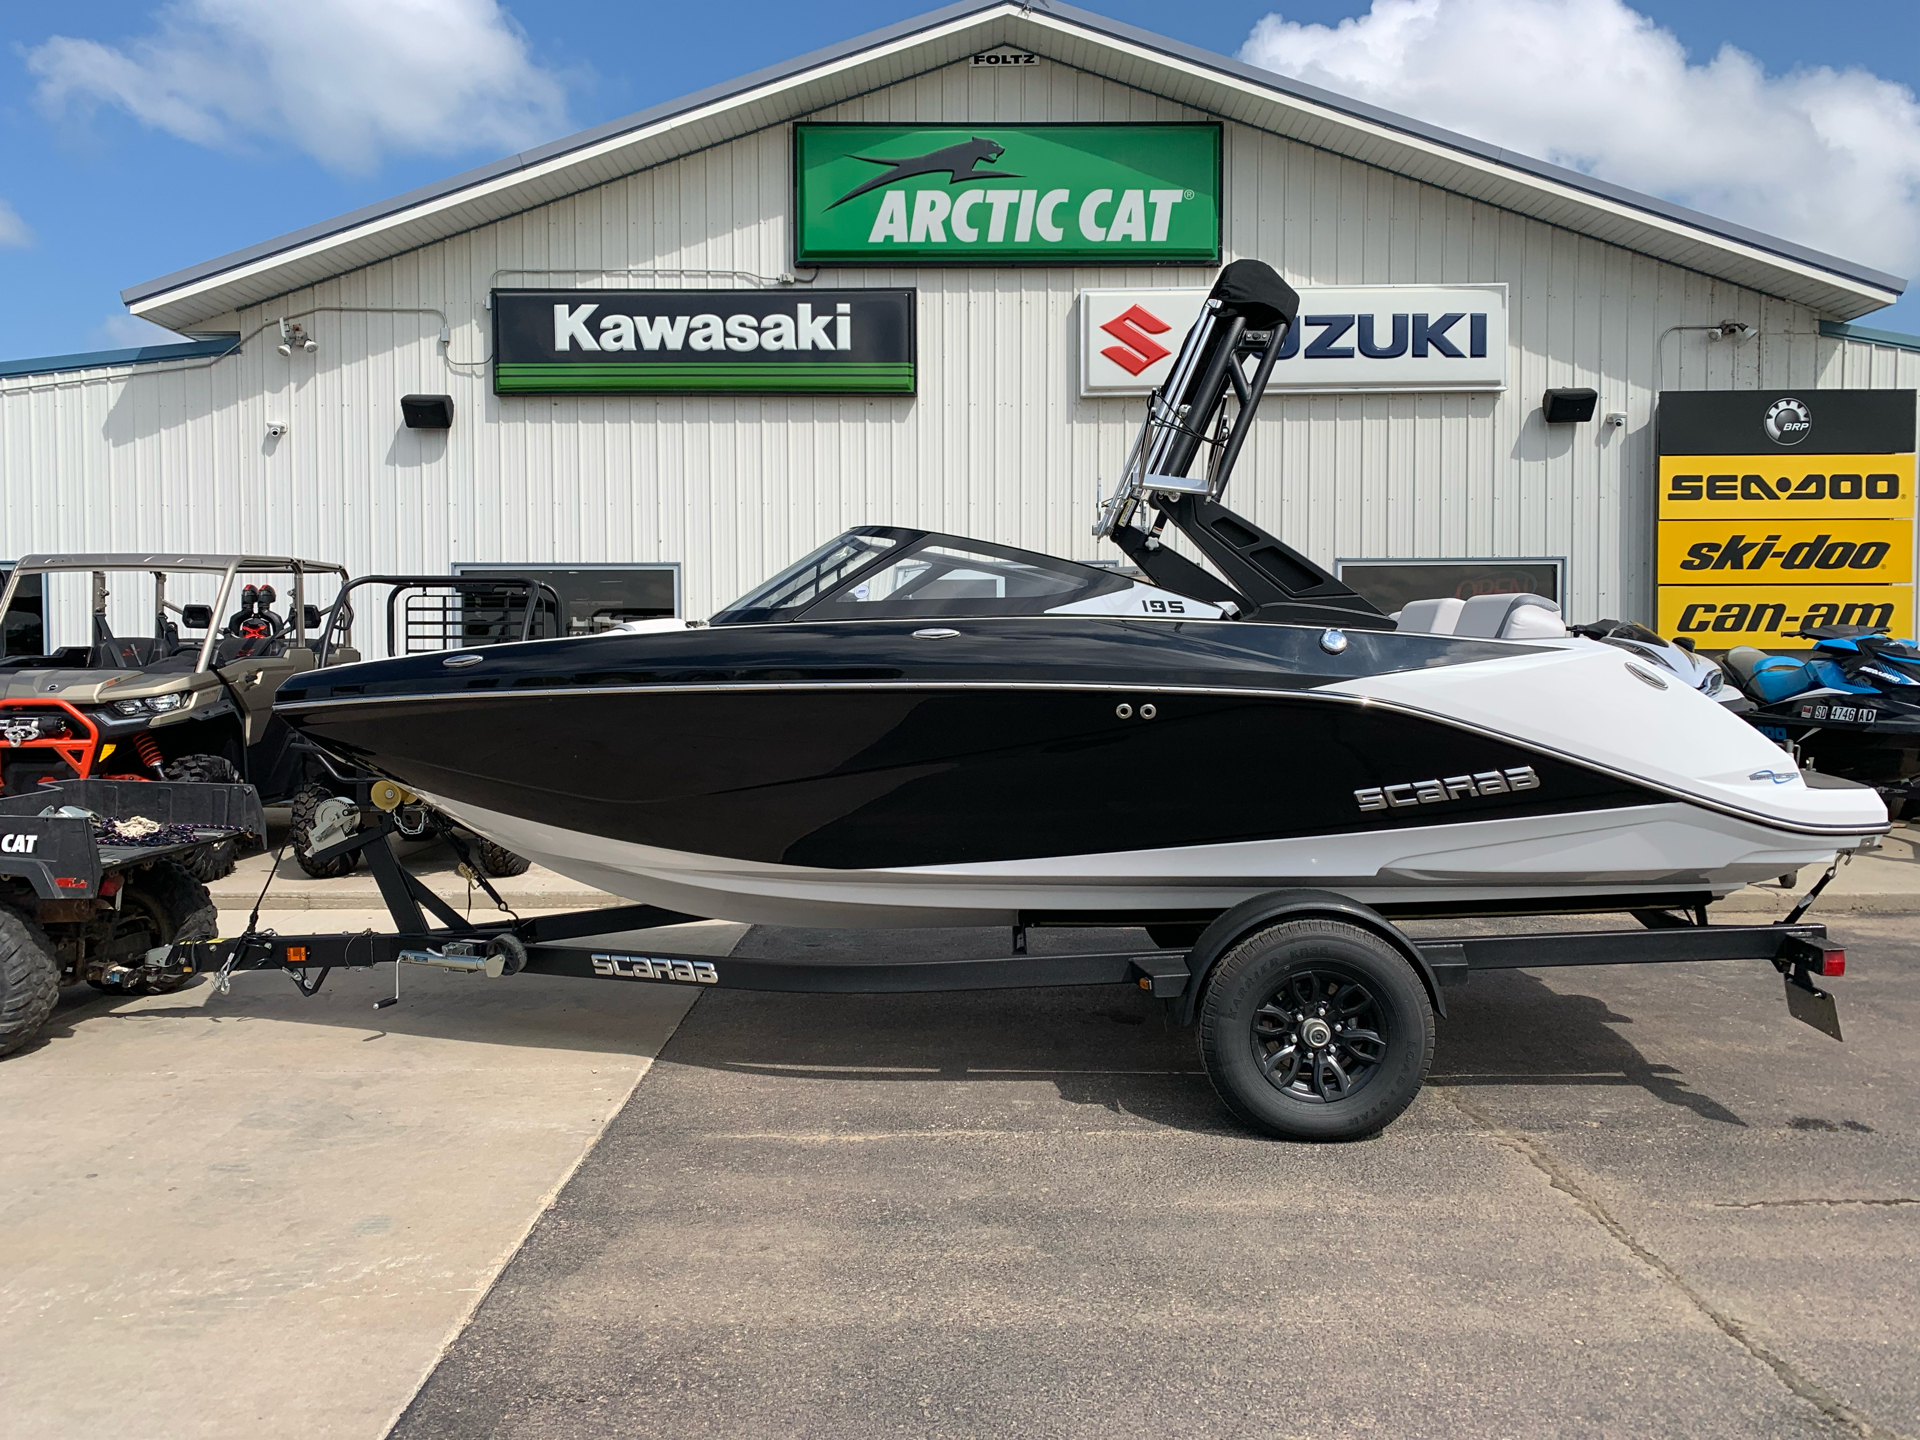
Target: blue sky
pixel 148 137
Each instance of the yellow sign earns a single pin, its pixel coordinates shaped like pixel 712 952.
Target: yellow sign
pixel 1829 551
pixel 1720 616
pixel 1702 487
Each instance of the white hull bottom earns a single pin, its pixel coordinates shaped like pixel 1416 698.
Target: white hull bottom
pixel 1578 857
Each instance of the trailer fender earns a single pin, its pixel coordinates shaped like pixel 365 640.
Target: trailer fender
pixel 1233 926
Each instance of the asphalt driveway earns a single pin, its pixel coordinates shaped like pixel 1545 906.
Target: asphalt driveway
pixel 1631 1202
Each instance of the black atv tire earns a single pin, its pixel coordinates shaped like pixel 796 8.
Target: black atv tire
pixel 305 804
pixel 167 902
pixel 215 861
pixel 498 862
pixel 1311 990
pixel 29 980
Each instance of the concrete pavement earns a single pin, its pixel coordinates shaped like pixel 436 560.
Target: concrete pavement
pixel 1632 1201
pixel 259 1214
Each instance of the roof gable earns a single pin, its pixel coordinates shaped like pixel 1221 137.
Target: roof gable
pixel 1196 78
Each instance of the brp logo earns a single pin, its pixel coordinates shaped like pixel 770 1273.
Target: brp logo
pixel 1788 422
pixel 1136 350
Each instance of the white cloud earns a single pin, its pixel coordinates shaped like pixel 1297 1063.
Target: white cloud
pixel 124 332
pixel 348 81
pixel 13 230
pixel 1828 158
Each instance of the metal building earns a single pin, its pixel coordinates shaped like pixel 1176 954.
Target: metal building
pixel 237 441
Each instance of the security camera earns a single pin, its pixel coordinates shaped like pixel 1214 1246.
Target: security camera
pixel 1617 419
pixel 275 429
pixel 1734 330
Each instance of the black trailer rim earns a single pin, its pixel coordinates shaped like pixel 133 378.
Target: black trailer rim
pixel 1321 1036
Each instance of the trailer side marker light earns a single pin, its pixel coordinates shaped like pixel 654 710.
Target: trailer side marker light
pixel 69 882
pixel 296 954
pixel 1832 962
pixel 1146 983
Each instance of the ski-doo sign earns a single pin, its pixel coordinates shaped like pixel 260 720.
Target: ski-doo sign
pixel 1007 194
pixel 789 341
pixel 1367 337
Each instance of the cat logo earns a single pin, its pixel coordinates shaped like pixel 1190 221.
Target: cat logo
pixel 18 844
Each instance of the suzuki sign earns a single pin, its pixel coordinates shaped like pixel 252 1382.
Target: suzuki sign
pixel 1363 337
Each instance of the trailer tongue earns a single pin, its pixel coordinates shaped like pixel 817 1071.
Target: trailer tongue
pixel 1358 1029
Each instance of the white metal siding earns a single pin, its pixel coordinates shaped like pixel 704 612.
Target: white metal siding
pixel 997 443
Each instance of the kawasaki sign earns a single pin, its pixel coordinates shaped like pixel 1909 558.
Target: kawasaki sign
pixel 790 341
pixel 1001 194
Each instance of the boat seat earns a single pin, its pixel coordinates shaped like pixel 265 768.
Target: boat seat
pixel 1769 677
pixel 1429 617
pixel 1510 617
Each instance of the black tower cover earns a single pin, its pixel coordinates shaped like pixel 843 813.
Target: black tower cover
pixel 1252 288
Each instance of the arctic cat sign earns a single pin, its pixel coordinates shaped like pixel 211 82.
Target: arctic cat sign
pixel 790 341
pixel 1783 509
pixel 1001 194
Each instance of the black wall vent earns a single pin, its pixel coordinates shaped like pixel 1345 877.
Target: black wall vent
pixel 435 412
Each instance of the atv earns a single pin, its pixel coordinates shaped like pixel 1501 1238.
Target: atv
pixel 170 706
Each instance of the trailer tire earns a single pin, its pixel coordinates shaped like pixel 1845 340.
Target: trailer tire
pixel 498 861
pixel 215 861
pixel 1269 1041
pixel 171 905
pixel 29 980
pixel 300 831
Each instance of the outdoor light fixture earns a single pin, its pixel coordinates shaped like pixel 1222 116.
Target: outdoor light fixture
pixel 427 412
pixel 291 335
pixel 1569 407
pixel 1735 330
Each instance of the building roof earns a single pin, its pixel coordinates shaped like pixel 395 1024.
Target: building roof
pixel 1199 79
pixel 137 355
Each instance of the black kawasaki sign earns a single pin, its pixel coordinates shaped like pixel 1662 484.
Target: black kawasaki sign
pixel 789 341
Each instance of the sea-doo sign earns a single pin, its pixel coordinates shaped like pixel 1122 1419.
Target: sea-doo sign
pixel 1784 509
pixel 789 341
pixel 1365 337
pixel 1007 194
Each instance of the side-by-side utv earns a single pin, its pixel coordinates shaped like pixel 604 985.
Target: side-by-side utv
pixel 192 700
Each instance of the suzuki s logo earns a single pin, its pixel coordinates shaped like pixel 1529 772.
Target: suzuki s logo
pixel 956 162
pixel 1455 787
pixel 1788 422
pixel 1136 350
pixel 18 844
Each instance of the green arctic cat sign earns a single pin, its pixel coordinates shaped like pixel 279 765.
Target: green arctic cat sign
pixel 1007 194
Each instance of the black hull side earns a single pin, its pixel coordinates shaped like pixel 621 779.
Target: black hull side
pixel 870 776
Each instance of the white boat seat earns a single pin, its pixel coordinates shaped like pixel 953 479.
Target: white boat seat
pixel 1741 660
pixel 1430 617
pixel 1510 617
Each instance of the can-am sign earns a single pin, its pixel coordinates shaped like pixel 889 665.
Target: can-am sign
pixel 1001 194
pixel 1364 337
pixel 790 341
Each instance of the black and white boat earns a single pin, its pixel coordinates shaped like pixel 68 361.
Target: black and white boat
pixel 914 728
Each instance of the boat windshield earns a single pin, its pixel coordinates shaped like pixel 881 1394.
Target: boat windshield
pixel 944 577
pixel 908 575
pixel 806 580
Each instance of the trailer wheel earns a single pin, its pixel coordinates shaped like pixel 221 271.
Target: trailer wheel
pixel 163 904
pixel 29 980
pixel 1316 1030
pixel 300 832
pixel 498 861
pixel 215 861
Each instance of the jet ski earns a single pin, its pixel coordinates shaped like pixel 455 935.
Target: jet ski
pixel 908 727
pixel 1851 708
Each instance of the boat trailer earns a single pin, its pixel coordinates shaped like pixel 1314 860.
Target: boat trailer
pixel 549 945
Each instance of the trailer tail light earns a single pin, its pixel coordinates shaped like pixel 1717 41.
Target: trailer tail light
pixel 110 886
pixel 1832 962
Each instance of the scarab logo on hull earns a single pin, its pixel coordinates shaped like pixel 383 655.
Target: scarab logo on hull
pixel 1410 793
